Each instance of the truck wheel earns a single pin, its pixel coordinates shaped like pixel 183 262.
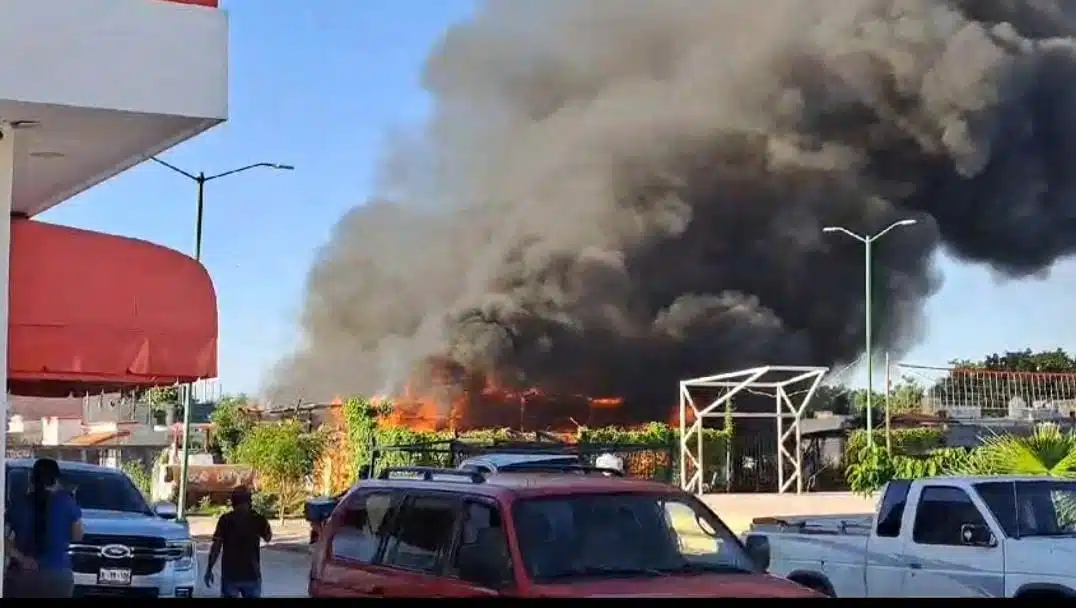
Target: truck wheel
pixel 813 583
pixel 1041 595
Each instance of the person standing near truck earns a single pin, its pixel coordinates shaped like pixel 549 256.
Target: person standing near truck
pixel 237 541
pixel 43 528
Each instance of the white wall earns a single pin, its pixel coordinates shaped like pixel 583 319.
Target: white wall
pixel 134 55
pixel 57 431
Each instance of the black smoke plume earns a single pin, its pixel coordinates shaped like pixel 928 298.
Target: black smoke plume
pixel 612 195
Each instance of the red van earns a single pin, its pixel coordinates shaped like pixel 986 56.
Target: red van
pixel 417 532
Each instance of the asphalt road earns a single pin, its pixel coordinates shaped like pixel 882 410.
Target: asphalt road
pixel 284 573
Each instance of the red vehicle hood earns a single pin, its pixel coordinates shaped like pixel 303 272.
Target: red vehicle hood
pixel 698 585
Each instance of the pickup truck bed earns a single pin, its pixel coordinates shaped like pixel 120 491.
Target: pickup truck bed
pixel 942 537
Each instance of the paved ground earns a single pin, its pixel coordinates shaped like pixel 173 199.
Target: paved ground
pixel 284 573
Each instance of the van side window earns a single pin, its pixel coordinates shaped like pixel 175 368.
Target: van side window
pixel 423 534
pixel 942 511
pixel 362 528
pixel 482 542
pixel 891 511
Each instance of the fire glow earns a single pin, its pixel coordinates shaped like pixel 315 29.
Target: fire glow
pixel 448 397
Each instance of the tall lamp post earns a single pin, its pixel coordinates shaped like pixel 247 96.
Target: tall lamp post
pixel 867 242
pixel 201 179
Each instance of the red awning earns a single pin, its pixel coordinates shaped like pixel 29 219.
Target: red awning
pixel 93 312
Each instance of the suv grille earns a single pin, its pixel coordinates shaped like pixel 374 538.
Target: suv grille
pixel 118 592
pixel 148 554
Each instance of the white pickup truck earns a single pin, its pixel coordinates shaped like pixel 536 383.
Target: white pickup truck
pixel 941 537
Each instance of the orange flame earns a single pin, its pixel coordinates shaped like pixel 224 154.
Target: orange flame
pixel 452 398
pixel 674 416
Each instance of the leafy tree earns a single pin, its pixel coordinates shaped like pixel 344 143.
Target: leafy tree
pixel 162 398
pixel 904 396
pixel 232 422
pixel 283 457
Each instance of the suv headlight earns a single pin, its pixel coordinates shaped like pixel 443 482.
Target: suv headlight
pixel 185 548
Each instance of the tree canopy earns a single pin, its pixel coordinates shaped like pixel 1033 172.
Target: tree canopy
pixel 231 424
pixel 283 456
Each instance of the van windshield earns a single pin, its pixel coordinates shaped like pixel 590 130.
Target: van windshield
pixel 104 490
pixel 623 535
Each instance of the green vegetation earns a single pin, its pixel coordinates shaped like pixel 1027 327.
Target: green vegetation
pixel 1047 451
pixel 231 424
pixel 283 455
pixel 140 476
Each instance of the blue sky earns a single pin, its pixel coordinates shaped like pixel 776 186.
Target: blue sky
pixel 317 85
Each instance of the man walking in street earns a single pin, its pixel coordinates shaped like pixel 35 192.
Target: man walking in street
pixel 238 535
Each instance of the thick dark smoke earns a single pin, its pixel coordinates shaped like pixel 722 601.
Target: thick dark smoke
pixel 612 195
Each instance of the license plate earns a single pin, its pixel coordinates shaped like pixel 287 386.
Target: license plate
pixel 114 576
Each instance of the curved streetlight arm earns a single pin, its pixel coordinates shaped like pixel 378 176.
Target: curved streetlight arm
pixel 276 166
pixel 896 224
pixel 174 168
pixel 861 239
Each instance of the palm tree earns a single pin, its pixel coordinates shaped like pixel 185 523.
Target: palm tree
pixel 1047 451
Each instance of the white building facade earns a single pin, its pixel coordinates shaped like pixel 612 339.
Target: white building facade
pixel 90 88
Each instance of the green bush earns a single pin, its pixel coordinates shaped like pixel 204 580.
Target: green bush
pixel 231 424
pixel 283 456
pixel 206 508
pixel 1047 451
pixel 904 441
pixel 140 476
pixel 871 468
pixel 915 453
pixel 268 505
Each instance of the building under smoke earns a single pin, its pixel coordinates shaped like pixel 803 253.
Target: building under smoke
pixel 611 195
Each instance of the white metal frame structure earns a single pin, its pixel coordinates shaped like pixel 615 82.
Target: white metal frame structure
pixel 775 378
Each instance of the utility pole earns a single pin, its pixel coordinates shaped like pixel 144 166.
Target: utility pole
pixel 188 393
pixel 868 320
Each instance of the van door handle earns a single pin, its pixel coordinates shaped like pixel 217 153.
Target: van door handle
pixel 915 565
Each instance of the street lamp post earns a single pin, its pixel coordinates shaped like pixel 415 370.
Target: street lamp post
pixel 201 179
pixel 867 242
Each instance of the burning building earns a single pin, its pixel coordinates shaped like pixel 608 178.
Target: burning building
pixel 610 196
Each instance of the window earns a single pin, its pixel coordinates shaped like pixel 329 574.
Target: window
pixel 482 543
pixel 362 527
pixel 423 534
pixel 891 510
pixel 942 511
pixel 1032 508
pixel 623 535
pixel 1000 498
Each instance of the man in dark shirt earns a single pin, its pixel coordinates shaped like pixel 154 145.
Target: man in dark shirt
pixel 239 534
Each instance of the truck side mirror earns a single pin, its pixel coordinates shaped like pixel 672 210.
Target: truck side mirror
pixel 758 549
pixel 977 535
pixel 165 510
